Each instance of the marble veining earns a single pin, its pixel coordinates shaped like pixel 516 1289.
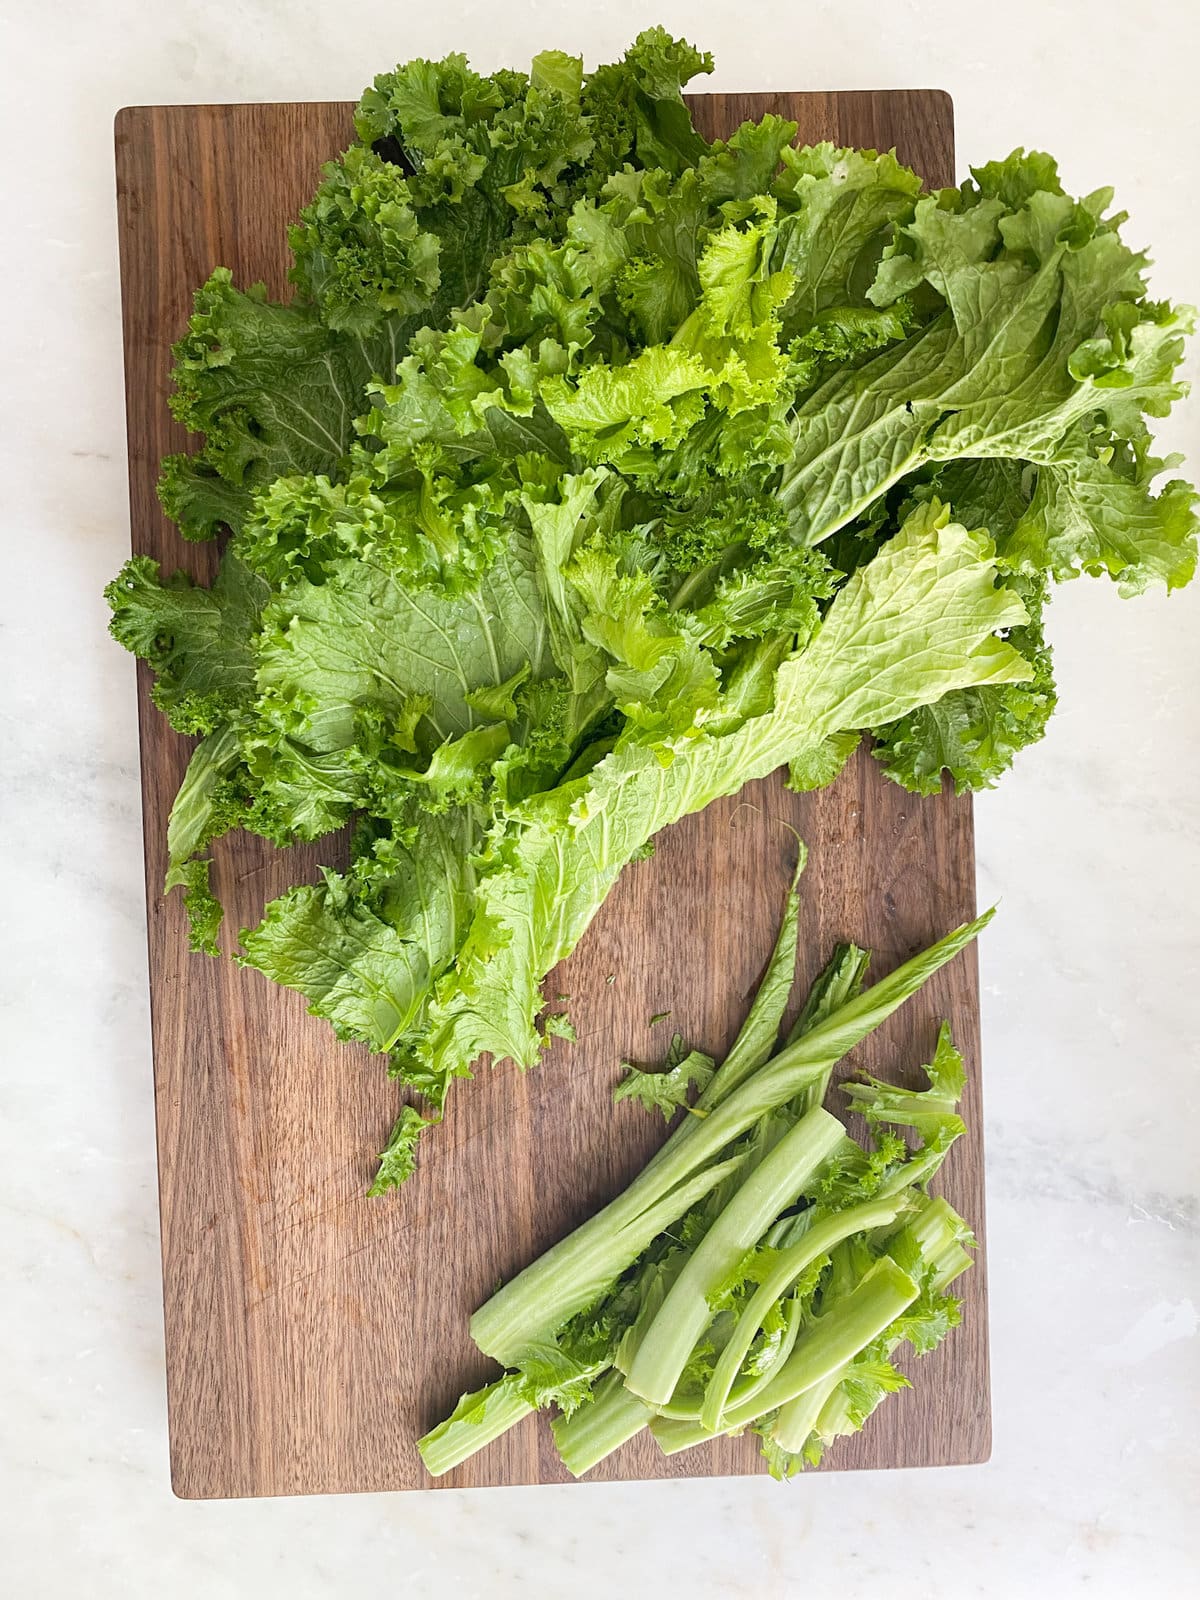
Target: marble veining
pixel 1089 973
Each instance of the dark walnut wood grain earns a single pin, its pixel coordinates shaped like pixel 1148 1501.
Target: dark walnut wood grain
pixel 312 1333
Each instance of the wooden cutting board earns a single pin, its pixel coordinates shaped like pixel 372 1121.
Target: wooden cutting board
pixel 313 1334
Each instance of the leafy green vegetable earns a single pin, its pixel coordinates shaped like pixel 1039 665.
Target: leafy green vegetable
pixel 667 1089
pixel 593 470
pixel 762 1270
pixel 476 1420
pixel 199 641
pixel 925 1110
pixel 758 1035
pixel 539 1300
pixel 1043 349
pixel 203 908
pixel 871 657
pixel 398 1157
pixel 358 971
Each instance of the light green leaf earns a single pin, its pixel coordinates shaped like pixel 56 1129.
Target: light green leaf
pixel 203 909
pixel 846 203
pixel 1011 367
pixel 1087 517
pixel 195 813
pixel 669 1087
pixel 917 621
pixel 199 641
pixel 820 766
pixel 398 1158
pixel 365 637
pixel 356 971
pixel 273 390
pixel 653 400
pixel 458 766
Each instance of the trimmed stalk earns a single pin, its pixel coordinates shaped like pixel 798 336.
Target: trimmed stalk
pixel 794 1425
pixel 667 1343
pixel 476 1420
pixel 759 1034
pixel 536 1303
pixel 935 1230
pixel 819 1356
pixel 573 1275
pixel 784 1271
pixel 673 1434
pixel 858 1318
pixel 689 1410
pixel 593 1432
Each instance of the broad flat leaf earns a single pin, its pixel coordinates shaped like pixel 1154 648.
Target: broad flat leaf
pixel 356 971
pixel 364 637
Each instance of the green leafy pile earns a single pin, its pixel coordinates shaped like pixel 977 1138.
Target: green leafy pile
pixel 594 469
pixel 765 1269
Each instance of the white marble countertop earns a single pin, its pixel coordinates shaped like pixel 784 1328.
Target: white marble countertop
pixel 1089 974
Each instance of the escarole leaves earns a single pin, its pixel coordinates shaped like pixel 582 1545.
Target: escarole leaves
pixel 593 469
